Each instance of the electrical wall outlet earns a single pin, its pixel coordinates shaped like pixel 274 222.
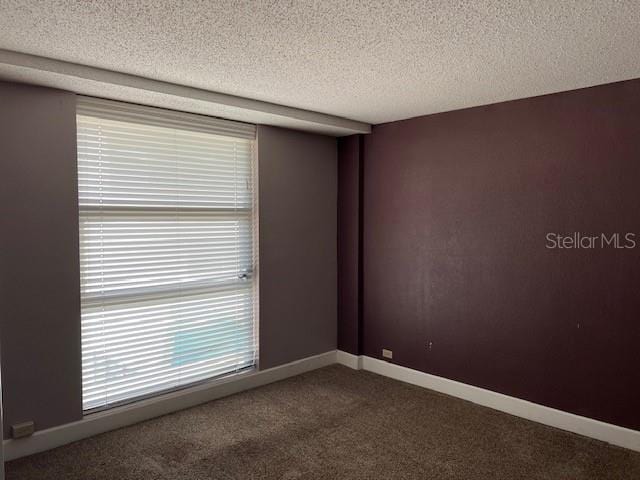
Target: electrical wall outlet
pixel 21 430
pixel 387 353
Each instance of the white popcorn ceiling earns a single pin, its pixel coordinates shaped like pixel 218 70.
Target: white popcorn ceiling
pixel 372 61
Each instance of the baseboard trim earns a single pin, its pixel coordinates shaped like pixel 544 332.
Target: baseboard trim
pixel 101 422
pixel 349 360
pixel 606 432
pixel 119 417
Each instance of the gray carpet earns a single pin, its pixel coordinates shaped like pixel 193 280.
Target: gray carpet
pixel 334 423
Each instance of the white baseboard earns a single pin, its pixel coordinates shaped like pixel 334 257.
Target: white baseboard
pixel 129 414
pixel 606 432
pixel 349 360
pixel 105 421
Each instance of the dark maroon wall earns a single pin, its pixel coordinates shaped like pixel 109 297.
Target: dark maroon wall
pixel 349 239
pixel 457 279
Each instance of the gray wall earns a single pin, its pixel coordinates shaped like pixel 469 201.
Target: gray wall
pixel 39 271
pixel 298 258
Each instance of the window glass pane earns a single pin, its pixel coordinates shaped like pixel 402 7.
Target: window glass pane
pixel 166 250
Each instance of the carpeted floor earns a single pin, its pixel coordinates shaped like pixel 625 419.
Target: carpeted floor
pixel 333 423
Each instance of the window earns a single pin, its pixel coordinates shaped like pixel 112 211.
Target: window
pixel 166 249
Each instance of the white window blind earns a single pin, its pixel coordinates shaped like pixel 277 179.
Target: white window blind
pixel 166 249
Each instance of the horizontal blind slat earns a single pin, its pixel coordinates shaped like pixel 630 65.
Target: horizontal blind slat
pixel 118 111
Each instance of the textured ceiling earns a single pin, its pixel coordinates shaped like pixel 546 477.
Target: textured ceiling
pixel 371 61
